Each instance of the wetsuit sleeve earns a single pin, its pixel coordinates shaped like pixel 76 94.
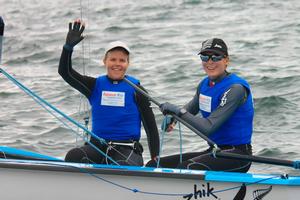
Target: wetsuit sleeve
pixel 149 123
pixel 83 84
pixel 233 98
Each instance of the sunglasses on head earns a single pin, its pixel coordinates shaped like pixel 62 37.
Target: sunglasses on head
pixel 214 58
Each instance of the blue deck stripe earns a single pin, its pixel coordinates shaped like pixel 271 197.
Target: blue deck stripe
pixel 18 152
pixel 252 178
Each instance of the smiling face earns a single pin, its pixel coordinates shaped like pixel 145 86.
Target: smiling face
pixel 215 69
pixel 116 62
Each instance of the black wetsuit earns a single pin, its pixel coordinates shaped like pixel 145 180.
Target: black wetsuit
pixel 204 160
pixel 125 154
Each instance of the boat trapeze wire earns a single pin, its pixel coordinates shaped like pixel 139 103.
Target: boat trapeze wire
pixel 45 103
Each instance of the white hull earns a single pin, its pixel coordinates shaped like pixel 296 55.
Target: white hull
pixel 34 180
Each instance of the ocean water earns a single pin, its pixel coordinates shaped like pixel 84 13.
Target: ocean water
pixel 165 37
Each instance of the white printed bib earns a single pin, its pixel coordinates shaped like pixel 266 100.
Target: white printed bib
pixel 205 103
pixel 110 98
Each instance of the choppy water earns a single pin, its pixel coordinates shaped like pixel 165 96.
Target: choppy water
pixel 165 36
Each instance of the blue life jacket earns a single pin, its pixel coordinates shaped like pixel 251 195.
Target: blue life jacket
pixel 238 128
pixel 115 114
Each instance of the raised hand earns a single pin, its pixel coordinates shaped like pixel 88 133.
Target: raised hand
pixel 75 33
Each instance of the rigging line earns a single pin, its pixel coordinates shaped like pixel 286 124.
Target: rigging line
pixel 65 124
pixel 164 125
pixel 83 52
pixel 69 127
pixel 83 64
pixel 83 170
pixel 180 139
pixel 41 100
pixel 87 30
pixel 123 155
pixel 247 184
pixel 84 110
pixel 2 25
pixel 135 190
pixel 85 113
pixel 88 40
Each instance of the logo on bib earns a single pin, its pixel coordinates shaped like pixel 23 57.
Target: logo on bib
pixel 205 103
pixel 110 98
pixel 224 98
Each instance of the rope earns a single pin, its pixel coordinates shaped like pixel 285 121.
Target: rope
pixel 137 190
pixel 162 134
pixel 85 113
pixel 44 103
pixel 255 182
pixel 180 139
pixel 164 126
pixel 83 110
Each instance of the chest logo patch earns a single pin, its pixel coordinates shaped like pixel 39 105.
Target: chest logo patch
pixel 205 103
pixel 224 98
pixel 110 98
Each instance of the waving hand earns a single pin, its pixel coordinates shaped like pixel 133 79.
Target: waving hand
pixel 75 33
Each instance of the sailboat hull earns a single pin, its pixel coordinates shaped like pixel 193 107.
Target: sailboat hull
pixel 35 180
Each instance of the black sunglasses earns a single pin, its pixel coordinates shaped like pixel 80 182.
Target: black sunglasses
pixel 214 58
